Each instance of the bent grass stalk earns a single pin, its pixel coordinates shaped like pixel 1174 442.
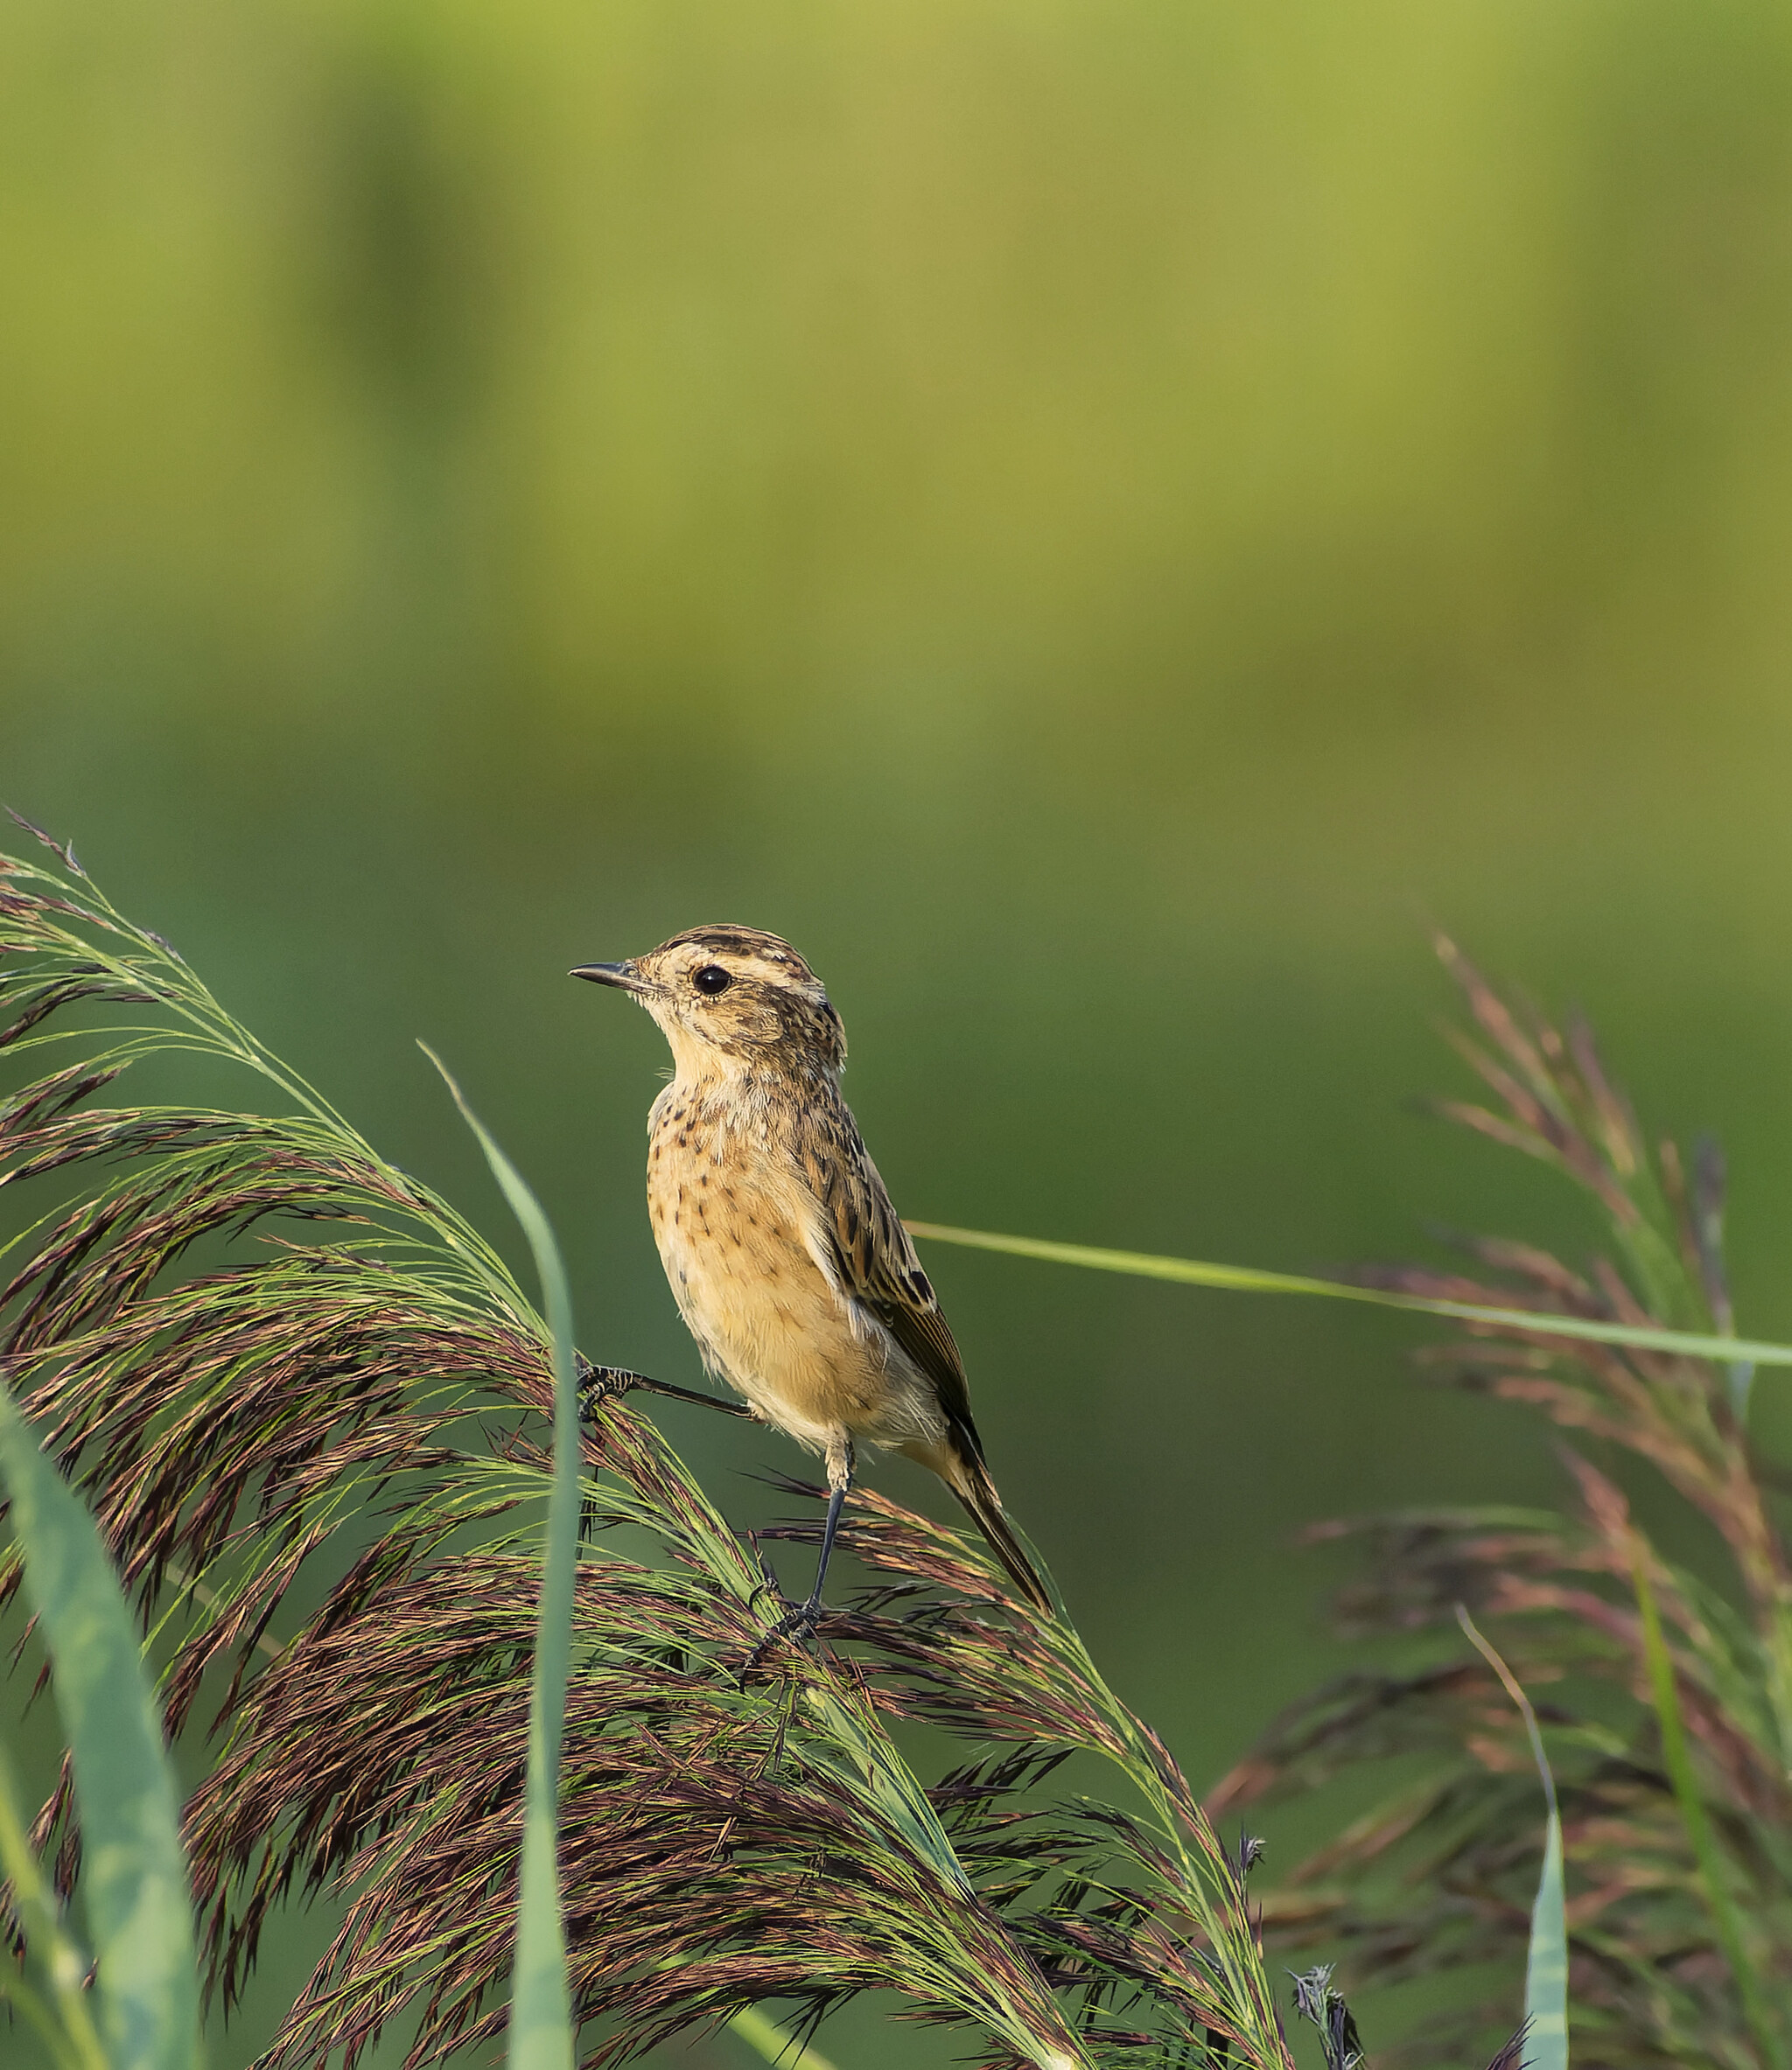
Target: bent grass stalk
pixel 541 2031
pixel 1245 1279
pixel 1546 1958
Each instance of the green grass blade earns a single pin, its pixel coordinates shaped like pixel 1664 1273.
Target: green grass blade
pixel 1677 1759
pixel 1546 1958
pixel 1244 1279
pixel 770 2042
pixel 138 1904
pixel 47 1993
pixel 1546 1963
pixel 541 2010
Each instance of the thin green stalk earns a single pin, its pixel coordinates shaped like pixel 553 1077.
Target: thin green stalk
pixel 1245 1279
pixel 1546 1957
pixel 771 2042
pixel 541 2035
pixel 1678 1761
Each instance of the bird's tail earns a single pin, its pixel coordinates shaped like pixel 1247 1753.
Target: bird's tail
pixel 968 1480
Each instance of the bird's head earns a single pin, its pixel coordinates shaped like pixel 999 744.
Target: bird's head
pixel 727 998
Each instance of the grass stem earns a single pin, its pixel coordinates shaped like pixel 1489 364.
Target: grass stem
pixel 1678 1762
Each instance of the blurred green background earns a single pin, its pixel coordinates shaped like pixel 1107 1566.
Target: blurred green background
pixel 1100 523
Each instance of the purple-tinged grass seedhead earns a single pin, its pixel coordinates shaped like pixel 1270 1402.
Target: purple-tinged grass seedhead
pixel 305 1399
pixel 1438 1876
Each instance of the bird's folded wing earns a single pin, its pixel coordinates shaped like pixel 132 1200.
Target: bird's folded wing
pixel 874 1263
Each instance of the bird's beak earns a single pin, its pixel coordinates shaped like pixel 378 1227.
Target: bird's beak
pixel 624 976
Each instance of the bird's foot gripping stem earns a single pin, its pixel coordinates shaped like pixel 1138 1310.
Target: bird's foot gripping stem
pixel 803 1618
pixel 607 1383
pixel 799 1621
pixel 599 1383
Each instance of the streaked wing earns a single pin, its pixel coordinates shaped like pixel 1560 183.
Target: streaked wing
pixel 876 1264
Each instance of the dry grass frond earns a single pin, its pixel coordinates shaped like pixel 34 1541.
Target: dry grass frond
pixel 1441 1874
pixel 360 1386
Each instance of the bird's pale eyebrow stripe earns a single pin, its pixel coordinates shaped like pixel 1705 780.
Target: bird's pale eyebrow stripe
pixel 731 941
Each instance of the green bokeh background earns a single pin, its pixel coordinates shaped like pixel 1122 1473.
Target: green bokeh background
pixel 1100 523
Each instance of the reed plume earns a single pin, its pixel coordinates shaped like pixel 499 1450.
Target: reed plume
pixel 307 1403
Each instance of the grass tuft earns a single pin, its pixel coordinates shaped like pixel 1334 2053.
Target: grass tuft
pixel 1680 1930
pixel 263 1354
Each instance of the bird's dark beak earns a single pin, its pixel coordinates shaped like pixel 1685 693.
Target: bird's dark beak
pixel 624 976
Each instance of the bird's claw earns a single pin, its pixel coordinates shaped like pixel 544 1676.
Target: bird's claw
pixel 598 1383
pixel 804 1617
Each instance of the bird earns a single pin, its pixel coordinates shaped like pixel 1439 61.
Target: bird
pixel 788 1264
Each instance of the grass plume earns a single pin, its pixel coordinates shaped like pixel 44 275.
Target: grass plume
pixel 1680 1933
pixel 258 1348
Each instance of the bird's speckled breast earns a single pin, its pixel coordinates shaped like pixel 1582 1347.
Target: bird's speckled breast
pixel 737 1227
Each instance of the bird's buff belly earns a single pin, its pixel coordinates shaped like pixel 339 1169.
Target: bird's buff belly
pixel 771 1326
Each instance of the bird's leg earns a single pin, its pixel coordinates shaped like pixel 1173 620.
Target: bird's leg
pixel 839 1484
pixel 805 1616
pixel 603 1383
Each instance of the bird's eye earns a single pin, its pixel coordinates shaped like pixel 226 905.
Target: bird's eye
pixel 712 979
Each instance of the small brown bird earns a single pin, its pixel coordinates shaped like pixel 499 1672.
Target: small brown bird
pixel 786 1258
